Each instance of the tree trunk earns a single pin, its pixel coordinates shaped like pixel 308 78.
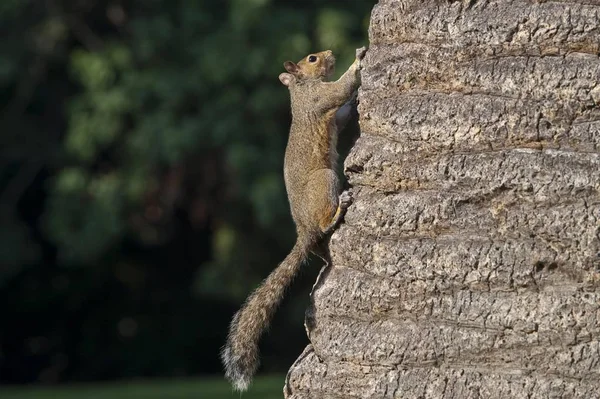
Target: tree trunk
pixel 468 265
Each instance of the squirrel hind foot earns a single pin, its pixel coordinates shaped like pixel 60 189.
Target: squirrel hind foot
pixel 346 199
pixel 236 372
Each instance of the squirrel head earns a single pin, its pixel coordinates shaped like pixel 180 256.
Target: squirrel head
pixel 314 66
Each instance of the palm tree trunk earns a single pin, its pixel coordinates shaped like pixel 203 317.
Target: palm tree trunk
pixel 469 263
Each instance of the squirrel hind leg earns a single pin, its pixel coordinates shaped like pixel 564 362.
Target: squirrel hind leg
pixel 321 200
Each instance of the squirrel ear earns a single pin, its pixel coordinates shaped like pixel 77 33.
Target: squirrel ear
pixel 291 67
pixel 286 78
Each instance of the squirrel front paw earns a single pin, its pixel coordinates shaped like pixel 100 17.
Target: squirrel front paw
pixel 360 53
pixel 346 199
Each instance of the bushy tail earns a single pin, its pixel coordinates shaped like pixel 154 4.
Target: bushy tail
pixel 240 353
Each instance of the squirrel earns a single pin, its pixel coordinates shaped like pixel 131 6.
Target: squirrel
pixel 319 109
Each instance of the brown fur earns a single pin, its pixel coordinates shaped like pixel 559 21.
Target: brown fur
pixel 313 188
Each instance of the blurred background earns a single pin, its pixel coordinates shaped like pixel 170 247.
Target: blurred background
pixel 141 184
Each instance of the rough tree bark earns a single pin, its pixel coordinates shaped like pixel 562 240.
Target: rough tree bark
pixel 468 266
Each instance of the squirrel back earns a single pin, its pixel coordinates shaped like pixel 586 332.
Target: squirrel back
pixel 313 192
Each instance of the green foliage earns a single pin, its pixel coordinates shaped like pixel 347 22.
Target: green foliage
pixel 14 234
pixel 147 136
pixel 86 214
pixel 149 102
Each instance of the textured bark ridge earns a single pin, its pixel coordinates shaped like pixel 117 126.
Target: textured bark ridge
pixel 469 263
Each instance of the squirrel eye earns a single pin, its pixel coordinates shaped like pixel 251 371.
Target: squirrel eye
pixel 312 58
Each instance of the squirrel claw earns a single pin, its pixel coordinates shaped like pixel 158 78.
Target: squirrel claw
pixel 346 199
